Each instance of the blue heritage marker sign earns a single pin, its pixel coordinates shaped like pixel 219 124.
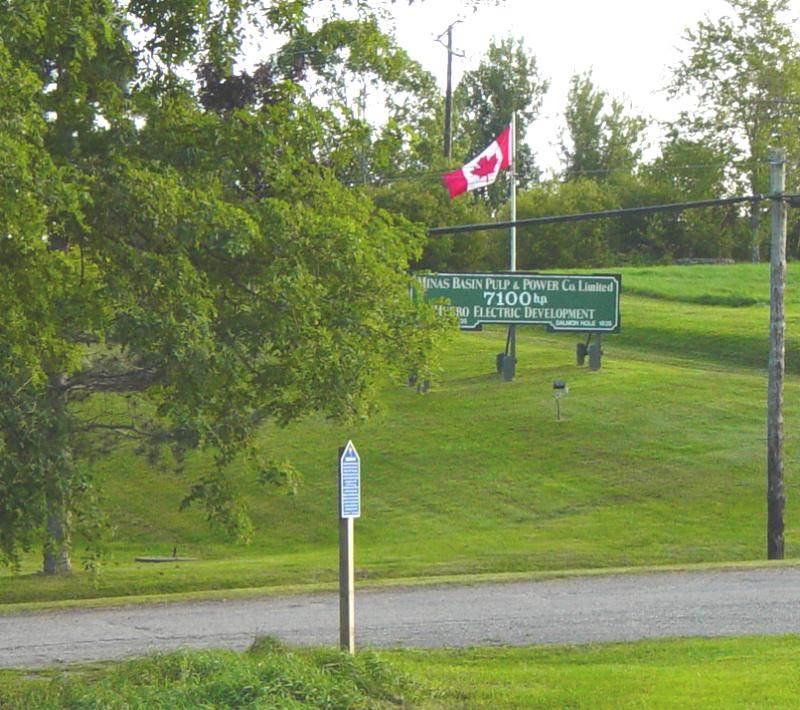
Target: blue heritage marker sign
pixel 350 482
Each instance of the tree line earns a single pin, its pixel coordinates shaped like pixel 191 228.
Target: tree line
pixel 743 73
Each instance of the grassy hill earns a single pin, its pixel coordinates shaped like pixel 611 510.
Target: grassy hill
pixel 659 459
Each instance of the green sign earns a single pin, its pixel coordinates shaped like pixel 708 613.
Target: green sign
pixel 564 302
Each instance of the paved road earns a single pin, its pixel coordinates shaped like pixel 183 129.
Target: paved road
pixel 578 610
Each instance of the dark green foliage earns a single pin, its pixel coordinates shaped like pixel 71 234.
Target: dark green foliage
pixel 191 248
pixel 710 232
pixel 427 204
pixel 565 245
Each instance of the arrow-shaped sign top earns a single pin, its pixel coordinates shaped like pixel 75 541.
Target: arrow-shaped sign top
pixel 350 454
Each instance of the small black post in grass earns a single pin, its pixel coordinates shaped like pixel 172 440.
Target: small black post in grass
pixel 595 351
pixel 581 350
pixel 559 390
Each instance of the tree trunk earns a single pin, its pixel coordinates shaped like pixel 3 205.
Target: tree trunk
pixel 56 543
pixel 55 558
pixel 755 242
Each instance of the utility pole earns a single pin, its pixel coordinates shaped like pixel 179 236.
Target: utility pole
pixel 448 99
pixel 776 498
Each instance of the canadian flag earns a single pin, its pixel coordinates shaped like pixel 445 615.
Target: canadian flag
pixel 483 170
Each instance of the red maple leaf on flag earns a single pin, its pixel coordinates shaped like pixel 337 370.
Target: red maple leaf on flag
pixel 485 166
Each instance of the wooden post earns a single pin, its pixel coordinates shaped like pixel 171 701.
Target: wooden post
pixel 776 497
pixel 347 596
pixel 349 484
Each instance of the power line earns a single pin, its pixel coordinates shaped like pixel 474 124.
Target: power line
pixel 667 170
pixel 584 216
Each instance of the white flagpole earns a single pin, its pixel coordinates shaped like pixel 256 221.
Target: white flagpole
pixel 513 196
pixel 511 340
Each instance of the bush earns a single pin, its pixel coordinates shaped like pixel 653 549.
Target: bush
pixel 268 675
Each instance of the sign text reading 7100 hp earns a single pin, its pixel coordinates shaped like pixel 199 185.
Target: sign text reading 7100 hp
pixel 564 302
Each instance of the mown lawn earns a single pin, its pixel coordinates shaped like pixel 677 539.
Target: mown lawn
pixel 730 285
pixel 681 673
pixel 659 460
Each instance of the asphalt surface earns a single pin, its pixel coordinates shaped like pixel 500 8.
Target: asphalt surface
pixel 576 610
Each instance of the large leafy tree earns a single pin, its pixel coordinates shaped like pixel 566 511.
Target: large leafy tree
pixel 180 261
pixel 744 72
pixel 601 139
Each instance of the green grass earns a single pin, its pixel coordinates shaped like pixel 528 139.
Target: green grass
pixel 693 673
pixel 267 676
pixel 734 285
pixel 686 673
pixel 96 599
pixel 660 460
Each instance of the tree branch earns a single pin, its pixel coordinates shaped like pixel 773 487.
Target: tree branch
pixel 133 380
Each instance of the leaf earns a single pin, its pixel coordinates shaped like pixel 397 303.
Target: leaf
pixel 485 167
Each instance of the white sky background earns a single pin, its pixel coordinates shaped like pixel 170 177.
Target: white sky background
pixel 629 44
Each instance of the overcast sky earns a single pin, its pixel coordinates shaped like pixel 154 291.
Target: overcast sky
pixel 629 45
